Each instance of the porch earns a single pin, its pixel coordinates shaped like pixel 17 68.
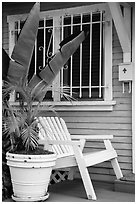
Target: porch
pixel 116 120
pixel 73 191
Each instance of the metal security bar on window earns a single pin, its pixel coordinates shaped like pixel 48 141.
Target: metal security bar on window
pixel 83 73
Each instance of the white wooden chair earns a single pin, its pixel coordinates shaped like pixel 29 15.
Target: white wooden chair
pixel 54 132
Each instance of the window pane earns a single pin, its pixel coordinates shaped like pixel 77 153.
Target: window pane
pixel 76 19
pixel 67 20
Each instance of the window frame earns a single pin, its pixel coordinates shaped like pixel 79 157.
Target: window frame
pixel 107 103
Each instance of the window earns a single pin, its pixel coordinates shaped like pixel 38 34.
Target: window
pixel 88 73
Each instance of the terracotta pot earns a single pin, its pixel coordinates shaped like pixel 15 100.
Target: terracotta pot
pixel 30 175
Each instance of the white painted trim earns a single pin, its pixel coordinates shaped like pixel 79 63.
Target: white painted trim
pixel 77 105
pixel 56 41
pixel 108 57
pixel 121 28
pixel 54 13
pixel 127 22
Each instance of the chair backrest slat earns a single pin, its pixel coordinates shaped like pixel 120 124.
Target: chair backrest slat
pixel 66 133
pixel 53 134
pixel 57 135
pixel 60 134
pixel 55 129
pixel 48 132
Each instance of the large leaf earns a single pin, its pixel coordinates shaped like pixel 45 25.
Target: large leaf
pixel 48 74
pixel 23 50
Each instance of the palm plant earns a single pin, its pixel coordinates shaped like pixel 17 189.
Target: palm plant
pixel 20 125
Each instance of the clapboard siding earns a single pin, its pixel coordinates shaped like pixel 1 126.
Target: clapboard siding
pixel 116 61
pixel 99 126
pixel 95 119
pixel 108 165
pixel 124 100
pixel 118 95
pixel 125 113
pixel 101 132
pixel 117 122
pixel 97 145
pixel 117 55
pixel 116 49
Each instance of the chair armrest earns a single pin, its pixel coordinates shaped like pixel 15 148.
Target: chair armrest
pixel 92 137
pixel 60 142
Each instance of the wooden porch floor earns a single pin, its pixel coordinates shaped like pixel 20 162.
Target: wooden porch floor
pixel 73 191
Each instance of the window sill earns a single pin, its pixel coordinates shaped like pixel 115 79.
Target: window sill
pixel 78 105
pixel 84 105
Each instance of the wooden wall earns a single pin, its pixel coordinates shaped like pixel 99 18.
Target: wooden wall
pixel 117 122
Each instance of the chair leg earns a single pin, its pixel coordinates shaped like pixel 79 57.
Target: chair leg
pixel 87 183
pixel 84 173
pixel 116 168
pixel 114 161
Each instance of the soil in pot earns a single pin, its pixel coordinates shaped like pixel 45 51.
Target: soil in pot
pixel 37 151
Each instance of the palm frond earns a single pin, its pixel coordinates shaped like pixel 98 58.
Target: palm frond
pixel 29 136
pixel 10 122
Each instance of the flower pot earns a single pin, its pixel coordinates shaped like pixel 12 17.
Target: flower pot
pixel 30 175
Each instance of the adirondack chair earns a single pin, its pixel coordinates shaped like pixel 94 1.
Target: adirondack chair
pixel 54 132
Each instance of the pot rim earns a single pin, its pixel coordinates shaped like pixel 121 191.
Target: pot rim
pixel 12 156
pixel 28 161
pixel 30 155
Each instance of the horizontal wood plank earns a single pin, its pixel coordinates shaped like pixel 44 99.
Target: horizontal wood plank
pixel 102 132
pixel 115 145
pixel 95 119
pixel 101 126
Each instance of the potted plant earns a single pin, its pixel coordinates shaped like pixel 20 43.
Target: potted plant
pixel 30 165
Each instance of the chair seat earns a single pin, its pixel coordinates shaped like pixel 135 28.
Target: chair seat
pixel 65 161
pixel 91 158
pixel 99 157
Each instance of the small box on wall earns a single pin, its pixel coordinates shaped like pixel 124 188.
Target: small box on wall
pixel 125 72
